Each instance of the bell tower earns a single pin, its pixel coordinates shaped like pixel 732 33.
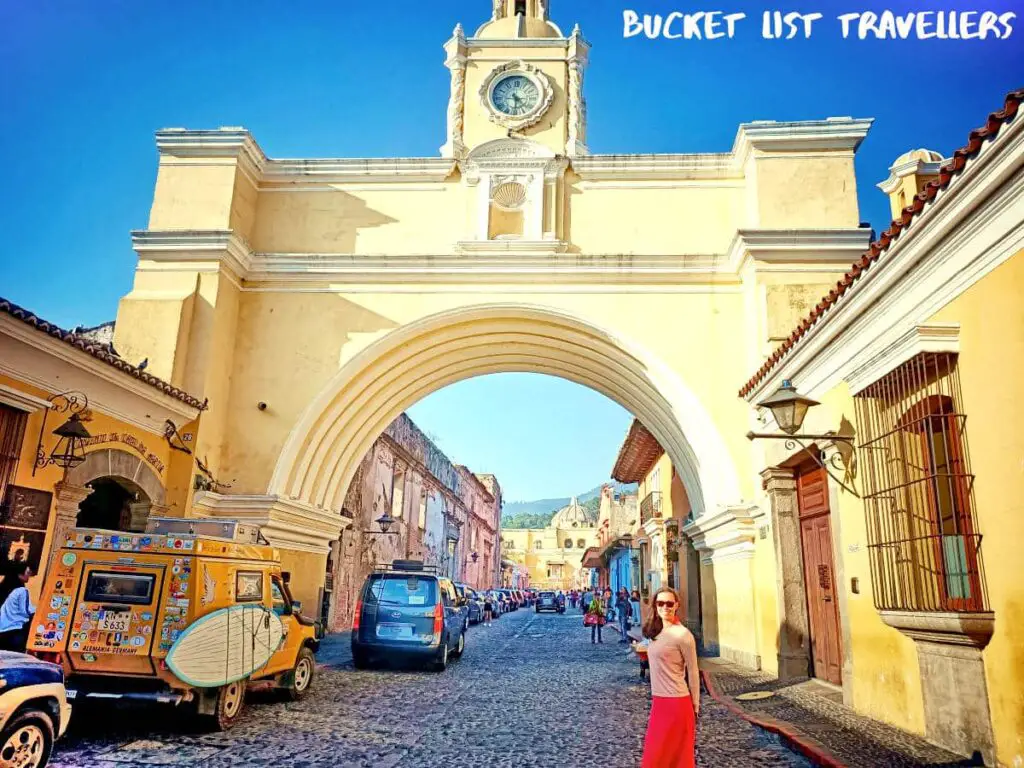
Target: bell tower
pixel 517 76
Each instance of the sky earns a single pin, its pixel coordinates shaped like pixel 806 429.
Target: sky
pixel 84 85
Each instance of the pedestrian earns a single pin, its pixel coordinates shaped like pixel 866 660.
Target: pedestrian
pixel 675 686
pixel 595 618
pixel 585 602
pixel 634 603
pixel 623 611
pixel 488 609
pixel 16 613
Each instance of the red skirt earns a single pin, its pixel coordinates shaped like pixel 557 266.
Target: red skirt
pixel 670 734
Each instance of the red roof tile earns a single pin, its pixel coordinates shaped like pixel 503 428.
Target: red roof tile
pixel 946 174
pixel 99 351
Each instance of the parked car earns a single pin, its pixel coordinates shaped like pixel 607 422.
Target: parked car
pixel 34 709
pixel 408 612
pixel 511 598
pixel 548 601
pixel 474 603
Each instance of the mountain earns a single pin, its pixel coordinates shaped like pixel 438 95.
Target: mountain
pixel 537 514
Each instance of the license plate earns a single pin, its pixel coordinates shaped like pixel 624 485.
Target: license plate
pixel 115 621
pixel 71 694
pixel 395 631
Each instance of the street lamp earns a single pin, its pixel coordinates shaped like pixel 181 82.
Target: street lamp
pixel 385 521
pixel 69 451
pixel 789 408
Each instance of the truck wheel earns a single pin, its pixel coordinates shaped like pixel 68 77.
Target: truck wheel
pixel 27 740
pixel 230 703
pixel 302 675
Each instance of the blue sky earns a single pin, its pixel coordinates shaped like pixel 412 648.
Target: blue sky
pixel 83 86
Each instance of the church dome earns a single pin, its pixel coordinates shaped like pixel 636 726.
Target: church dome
pixel 571 516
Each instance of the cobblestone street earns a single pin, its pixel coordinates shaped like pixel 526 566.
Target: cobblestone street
pixel 530 691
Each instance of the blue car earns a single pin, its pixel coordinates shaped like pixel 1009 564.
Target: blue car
pixel 34 709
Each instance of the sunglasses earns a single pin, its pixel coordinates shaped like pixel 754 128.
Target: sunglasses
pixel 665 603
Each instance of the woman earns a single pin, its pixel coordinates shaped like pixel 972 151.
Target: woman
pixel 595 618
pixel 675 686
pixel 16 614
pixel 488 609
pixel 622 610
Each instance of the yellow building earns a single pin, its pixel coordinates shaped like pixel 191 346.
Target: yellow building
pixel 552 555
pixel 312 300
pixel 85 439
pixel 892 567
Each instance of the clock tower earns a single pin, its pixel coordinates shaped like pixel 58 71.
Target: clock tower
pixel 518 76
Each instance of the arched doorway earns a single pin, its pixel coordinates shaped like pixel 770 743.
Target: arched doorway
pixel 115 504
pixel 123 491
pixel 336 430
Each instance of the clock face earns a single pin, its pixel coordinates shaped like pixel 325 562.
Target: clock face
pixel 515 95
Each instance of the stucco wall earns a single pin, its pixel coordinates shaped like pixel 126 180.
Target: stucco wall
pixel 991 365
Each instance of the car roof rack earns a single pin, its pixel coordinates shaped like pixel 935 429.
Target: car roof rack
pixel 408 566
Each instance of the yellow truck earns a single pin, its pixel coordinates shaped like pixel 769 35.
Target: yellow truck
pixel 190 612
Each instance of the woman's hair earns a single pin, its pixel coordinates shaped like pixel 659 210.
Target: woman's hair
pixel 654 625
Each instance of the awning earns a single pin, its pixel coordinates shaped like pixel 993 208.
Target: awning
pixel 592 558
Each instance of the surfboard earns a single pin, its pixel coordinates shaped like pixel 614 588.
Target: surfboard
pixel 226 645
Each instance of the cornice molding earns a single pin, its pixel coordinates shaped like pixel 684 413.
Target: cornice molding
pixel 286 523
pixel 517 246
pixel 833 134
pixel 728 534
pixel 22 401
pixel 233 142
pixel 910 167
pixel 668 166
pixel 971 227
pixel 516 42
pixel 937 337
pixel 785 246
pixel 357 170
pixel 219 245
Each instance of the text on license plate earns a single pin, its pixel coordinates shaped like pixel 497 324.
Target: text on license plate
pixel 71 694
pixel 397 631
pixel 115 621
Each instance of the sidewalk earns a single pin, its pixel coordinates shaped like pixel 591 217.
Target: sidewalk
pixel 811 718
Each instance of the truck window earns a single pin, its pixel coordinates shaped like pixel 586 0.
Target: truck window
pixel 277 596
pixel 248 586
pixel 120 588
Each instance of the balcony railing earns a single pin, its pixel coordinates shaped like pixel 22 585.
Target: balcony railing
pixel 650 507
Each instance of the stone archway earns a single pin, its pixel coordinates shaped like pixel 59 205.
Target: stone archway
pixel 129 470
pixel 324 449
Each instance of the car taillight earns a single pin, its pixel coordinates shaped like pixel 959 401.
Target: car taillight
pixel 357 616
pixel 438 618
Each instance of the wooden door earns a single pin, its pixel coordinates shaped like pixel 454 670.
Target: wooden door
pixel 819 576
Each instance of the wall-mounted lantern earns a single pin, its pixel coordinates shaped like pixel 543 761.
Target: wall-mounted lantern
pixel 69 451
pixel 789 408
pixel 475 557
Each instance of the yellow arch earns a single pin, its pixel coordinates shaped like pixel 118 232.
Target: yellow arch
pixel 339 426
